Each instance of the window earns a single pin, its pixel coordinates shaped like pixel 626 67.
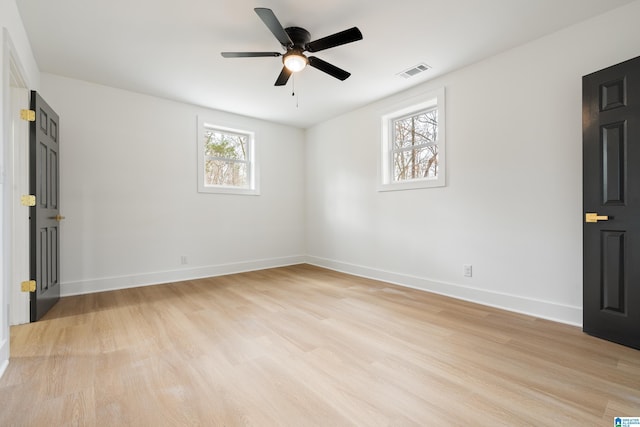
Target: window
pixel 226 160
pixel 413 145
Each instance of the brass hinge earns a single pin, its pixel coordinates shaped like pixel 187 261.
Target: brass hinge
pixel 28 115
pixel 28 200
pixel 28 286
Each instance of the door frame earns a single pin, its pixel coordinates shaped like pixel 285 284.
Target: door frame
pixel 15 250
pixel 20 214
pixel 19 93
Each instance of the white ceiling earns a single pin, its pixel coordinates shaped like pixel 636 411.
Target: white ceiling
pixel 171 49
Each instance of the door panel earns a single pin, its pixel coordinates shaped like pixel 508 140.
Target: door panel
pixel 44 160
pixel 613 149
pixel 611 188
pixel 613 277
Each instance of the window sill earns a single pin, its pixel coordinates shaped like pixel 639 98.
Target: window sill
pixel 414 184
pixel 229 190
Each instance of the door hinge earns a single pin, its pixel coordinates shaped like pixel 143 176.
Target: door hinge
pixel 28 115
pixel 28 286
pixel 28 200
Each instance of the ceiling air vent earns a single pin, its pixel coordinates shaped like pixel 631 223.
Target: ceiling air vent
pixel 413 71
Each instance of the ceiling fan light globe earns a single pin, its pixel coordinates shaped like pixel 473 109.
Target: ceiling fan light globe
pixel 295 62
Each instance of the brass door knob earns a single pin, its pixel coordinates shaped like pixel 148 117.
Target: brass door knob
pixel 594 217
pixel 57 217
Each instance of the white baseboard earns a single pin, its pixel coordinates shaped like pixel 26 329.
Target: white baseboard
pixel 4 356
pixel 156 278
pixel 3 367
pixel 543 309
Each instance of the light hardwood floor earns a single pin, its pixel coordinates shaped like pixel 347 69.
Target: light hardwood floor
pixel 303 346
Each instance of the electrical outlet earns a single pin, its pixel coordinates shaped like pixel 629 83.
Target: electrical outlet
pixel 467 270
pixel 183 260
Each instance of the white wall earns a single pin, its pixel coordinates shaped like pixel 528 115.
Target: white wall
pixel 129 192
pixel 14 44
pixel 512 206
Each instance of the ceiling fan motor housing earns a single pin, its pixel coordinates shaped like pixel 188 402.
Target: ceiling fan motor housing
pixel 299 36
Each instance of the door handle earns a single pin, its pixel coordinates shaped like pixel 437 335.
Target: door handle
pixel 57 217
pixel 594 217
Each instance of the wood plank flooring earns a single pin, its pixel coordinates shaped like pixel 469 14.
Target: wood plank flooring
pixel 303 346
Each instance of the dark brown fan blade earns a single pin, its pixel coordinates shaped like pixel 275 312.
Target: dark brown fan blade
pixel 249 54
pixel 270 20
pixel 337 39
pixel 283 78
pixel 330 69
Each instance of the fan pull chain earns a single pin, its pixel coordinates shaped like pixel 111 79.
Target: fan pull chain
pixel 293 90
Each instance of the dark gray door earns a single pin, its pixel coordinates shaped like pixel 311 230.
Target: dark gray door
pixel 611 197
pixel 44 217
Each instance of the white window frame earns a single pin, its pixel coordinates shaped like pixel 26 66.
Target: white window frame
pixel 252 188
pixel 415 105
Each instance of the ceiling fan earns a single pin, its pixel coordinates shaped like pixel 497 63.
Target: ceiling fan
pixel 296 40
